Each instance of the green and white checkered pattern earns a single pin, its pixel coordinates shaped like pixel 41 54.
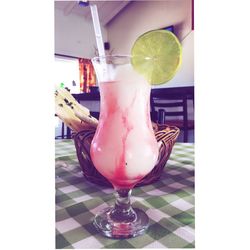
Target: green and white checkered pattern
pixel 169 203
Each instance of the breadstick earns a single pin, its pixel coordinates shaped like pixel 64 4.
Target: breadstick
pixel 70 100
pixel 73 114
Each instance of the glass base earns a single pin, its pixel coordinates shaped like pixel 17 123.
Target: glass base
pixel 119 228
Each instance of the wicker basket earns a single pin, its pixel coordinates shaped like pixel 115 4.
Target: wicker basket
pixel 166 134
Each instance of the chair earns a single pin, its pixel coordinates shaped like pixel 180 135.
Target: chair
pixel 63 135
pixel 166 110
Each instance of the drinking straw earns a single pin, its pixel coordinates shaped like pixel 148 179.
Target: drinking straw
pixel 98 33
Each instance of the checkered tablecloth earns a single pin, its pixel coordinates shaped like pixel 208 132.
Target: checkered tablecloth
pixel 169 203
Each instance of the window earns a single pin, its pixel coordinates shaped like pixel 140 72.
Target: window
pixel 67 72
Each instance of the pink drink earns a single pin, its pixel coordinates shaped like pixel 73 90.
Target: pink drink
pixel 124 148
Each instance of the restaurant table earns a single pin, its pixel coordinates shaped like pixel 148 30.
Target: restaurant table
pixel 169 203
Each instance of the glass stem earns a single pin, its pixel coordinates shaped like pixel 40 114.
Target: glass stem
pixel 122 210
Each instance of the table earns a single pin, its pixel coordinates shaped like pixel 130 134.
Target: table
pixel 169 203
pixel 167 93
pixel 184 94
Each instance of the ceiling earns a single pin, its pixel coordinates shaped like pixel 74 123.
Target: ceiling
pixel 107 10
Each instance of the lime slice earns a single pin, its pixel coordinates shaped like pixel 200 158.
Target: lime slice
pixel 157 55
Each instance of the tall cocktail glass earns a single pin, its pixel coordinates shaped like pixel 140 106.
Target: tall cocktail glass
pixel 124 148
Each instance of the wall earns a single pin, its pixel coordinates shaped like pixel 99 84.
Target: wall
pixel 124 29
pixel 185 75
pixel 74 35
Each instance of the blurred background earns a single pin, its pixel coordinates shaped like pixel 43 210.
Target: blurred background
pixel 122 22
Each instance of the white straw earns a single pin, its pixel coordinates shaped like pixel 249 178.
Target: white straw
pixel 97 28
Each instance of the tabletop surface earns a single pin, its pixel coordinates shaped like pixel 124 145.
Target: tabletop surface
pixel 169 203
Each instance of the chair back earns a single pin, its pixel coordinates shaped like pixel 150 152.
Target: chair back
pixel 171 110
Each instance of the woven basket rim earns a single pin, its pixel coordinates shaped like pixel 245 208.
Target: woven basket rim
pixel 90 172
